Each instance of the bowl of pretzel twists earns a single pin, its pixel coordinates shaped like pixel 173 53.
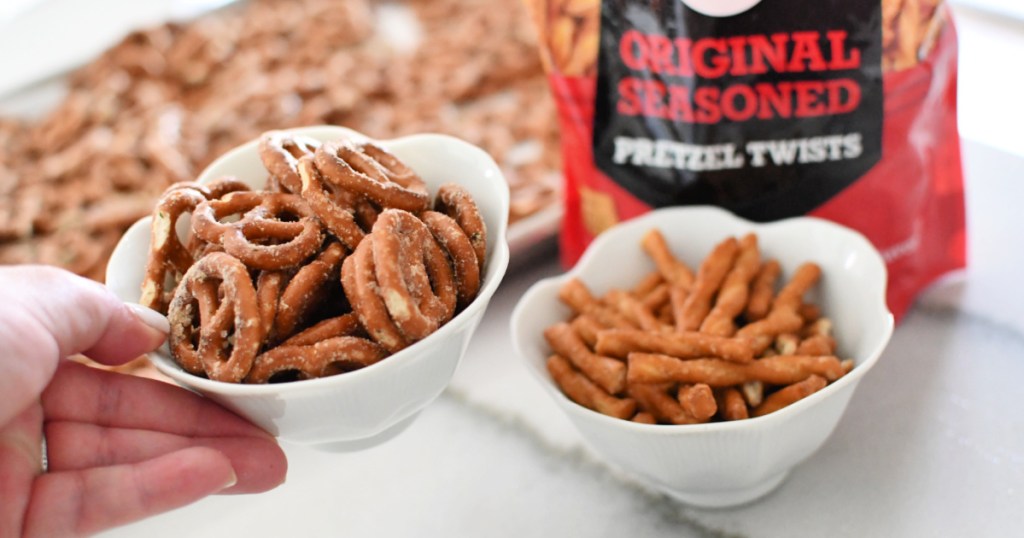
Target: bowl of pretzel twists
pixel 704 354
pixel 319 283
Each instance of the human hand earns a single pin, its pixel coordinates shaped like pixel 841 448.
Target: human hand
pixel 120 448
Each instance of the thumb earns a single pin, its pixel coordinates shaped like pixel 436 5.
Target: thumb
pixel 47 314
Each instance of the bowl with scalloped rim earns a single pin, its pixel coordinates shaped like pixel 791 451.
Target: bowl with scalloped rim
pixel 364 407
pixel 723 463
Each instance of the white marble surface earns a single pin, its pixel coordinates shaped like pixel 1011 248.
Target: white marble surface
pixel 932 444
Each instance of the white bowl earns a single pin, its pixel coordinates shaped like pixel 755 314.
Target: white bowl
pixel 362 408
pixel 727 463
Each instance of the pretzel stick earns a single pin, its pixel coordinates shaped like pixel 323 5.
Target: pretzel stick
pixel 731 405
pixel 577 296
pixel 587 327
pixel 810 312
pixel 783 316
pixel 818 344
pixel 648 284
pixel 584 392
pixel 732 298
pixel 671 269
pixel 634 310
pixel 761 290
pixel 657 298
pixel 665 315
pixel 607 373
pixel 787 395
pixel 698 401
pixel 781 370
pixel 622 342
pixel 677 296
pixel 655 400
pixel 791 296
pixel 712 272
pixel 761 333
pixel 644 417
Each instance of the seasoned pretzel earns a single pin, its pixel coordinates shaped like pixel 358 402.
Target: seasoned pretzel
pixel 780 370
pixel 622 342
pixel 456 202
pixel 280 153
pixel 709 277
pixel 671 269
pixel 684 376
pixel 762 333
pixel 607 373
pixel 657 298
pixel 269 286
pixel 335 209
pixel 168 257
pixel 223 186
pixel 216 299
pixel 784 315
pixel 654 399
pixel 343 325
pixel 735 290
pixel 213 190
pixel 818 344
pixel 789 395
pixel 635 311
pixel 307 290
pixel 413 275
pixel 698 401
pixel 790 297
pixel 588 328
pixel 577 296
pixel 584 392
pixel 460 250
pixel 261 239
pixel 647 285
pixel 761 290
pixel 359 279
pixel 321 359
pixel 643 417
pixel 731 405
pixel 368 170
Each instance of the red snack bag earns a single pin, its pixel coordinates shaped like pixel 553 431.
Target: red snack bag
pixel 842 109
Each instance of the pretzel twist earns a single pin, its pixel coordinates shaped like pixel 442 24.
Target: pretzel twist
pixel 280 153
pixel 214 318
pixel 267 236
pixel 366 169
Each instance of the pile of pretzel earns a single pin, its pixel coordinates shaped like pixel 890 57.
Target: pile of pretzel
pixel 159 106
pixel 685 348
pixel 342 260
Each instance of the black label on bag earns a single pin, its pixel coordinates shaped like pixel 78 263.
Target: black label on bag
pixel 768 112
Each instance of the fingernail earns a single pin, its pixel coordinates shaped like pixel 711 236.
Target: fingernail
pixel 150 317
pixel 232 480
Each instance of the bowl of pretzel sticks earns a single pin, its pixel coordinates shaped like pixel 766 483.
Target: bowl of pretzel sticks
pixel 319 283
pixel 704 354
